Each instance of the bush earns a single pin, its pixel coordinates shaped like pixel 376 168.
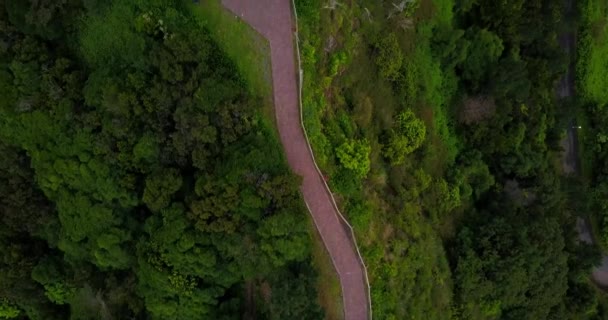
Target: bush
pixel 441 199
pixel 8 310
pixel 484 51
pixel 390 57
pixel 354 155
pixel 337 60
pixel 360 214
pixel 407 137
pixel 308 10
pixel 342 182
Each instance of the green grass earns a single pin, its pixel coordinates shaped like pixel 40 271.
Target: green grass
pixel 593 10
pixel 247 48
pixel 592 65
pixel 328 285
pixel 595 81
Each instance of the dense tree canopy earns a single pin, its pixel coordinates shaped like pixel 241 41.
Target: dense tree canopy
pixel 512 266
pixel 139 178
pixel 408 136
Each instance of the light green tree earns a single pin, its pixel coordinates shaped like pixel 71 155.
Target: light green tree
pixel 8 310
pixel 390 57
pixel 408 136
pixel 354 155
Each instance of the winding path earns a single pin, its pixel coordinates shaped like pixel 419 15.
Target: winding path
pixel 570 160
pixel 273 19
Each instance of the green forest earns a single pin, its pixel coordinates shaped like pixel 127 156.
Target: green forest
pixel 142 176
pixel 446 113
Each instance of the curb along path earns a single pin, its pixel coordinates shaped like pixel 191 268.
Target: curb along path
pixel 273 19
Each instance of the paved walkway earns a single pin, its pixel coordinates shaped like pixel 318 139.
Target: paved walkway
pixel 273 19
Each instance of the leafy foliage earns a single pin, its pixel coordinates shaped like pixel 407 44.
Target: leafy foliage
pixel 288 298
pixel 512 269
pixel 8 310
pixel 483 194
pixel 390 58
pixel 407 137
pixel 139 177
pixel 483 51
pixel 354 155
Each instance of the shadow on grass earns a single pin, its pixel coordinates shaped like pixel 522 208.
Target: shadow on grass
pixel 250 52
pixel 248 49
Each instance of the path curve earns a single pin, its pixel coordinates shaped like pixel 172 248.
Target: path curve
pixel 273 19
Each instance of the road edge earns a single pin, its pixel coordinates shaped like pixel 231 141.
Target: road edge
pixel 327 189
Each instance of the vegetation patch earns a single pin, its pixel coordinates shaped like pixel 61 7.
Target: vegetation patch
pixel 141 176
pixel 462 213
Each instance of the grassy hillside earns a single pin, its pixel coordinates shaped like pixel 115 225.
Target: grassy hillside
pixel 436 124
pixel 592 66
pixel 347 102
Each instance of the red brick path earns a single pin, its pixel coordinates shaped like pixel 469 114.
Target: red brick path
pixel 273 19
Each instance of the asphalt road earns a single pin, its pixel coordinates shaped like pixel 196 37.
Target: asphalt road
pixel 273 19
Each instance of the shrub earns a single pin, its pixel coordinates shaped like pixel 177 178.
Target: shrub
pixel 8 310
pixel 484 51
pixel 360 214
pixel 390 57
pixel 407 137
pixel 337 60
pixel 342 182
pixel 354 155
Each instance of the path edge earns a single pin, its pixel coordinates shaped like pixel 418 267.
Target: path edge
pixel 327 189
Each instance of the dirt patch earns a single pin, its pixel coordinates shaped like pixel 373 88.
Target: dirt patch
pixel 476 109
pixel 265 291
